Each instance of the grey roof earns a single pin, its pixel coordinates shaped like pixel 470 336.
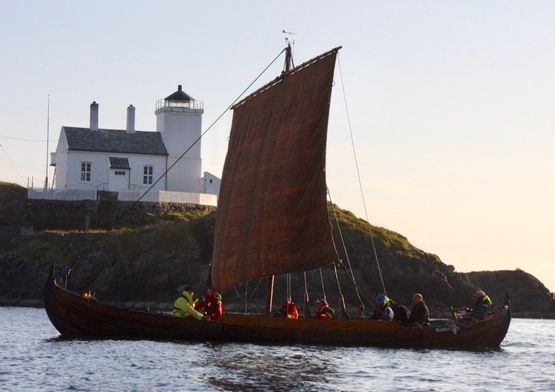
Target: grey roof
pixel 115 140
pixel 179 96
pixel 119 163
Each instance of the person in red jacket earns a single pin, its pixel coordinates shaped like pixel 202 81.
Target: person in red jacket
pixel 217 308
pixel 211 304
pixel 323 310
pixel 289 310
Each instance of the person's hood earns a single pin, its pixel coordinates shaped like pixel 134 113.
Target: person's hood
pixel 188 296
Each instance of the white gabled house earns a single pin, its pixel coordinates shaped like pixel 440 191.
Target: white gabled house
pixel 130 161
pixel 109 159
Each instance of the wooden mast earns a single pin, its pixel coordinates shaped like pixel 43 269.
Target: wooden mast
pixel 271 279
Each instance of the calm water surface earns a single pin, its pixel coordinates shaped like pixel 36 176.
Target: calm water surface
pixel 32 358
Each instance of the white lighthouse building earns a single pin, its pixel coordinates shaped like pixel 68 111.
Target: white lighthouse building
pixel 130 162
pixel 179 121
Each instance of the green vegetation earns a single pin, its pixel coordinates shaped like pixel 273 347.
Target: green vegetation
pixel 155 248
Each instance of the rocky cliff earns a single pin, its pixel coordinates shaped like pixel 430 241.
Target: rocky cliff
pixel 153 249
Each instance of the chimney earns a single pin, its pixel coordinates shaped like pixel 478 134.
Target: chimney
pixel 131 119
pixel 94 116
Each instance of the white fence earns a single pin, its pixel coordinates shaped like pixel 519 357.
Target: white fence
pixel 171 197
pixel 153 197
pixel 61 195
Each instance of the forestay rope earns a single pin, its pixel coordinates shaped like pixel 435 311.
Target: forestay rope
pixel 206 130
pixel 358 176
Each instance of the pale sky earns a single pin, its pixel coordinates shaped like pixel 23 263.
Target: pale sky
pixel 451 103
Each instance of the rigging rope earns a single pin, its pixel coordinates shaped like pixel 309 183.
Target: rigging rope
pixel 13 164
pixel 358 175
pixel 205 132
pixel 288 276
pixel 306 297
pixel 246 296
pixel 341 296
pixel 323 288
pixel 251 294
pixel 361 304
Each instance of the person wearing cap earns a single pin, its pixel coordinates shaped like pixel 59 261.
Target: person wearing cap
pixel 419 314
pixel 482 305
pixel 383 309
pixel 184 306
pixel 323 310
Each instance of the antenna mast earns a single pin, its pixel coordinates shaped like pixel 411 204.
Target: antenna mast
pixel 47 143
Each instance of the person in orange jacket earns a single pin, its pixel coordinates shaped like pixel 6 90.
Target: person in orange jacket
pixel 323 310
pixel 289 310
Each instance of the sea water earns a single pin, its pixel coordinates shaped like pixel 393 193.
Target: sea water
pixel 34 358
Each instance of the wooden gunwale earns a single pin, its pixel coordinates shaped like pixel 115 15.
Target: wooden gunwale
pixel 75 316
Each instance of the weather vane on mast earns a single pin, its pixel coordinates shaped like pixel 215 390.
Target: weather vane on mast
pixel 288 54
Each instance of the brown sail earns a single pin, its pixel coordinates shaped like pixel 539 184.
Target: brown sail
pixel 272 214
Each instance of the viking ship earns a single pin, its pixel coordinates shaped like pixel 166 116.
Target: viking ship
pixel 272 218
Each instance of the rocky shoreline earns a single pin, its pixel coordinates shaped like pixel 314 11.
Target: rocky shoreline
pixel 155 248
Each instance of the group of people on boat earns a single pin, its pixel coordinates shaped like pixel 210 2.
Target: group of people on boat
pixel 323 310
pixel 387 309
pixel 208 307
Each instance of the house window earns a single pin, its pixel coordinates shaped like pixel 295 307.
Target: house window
pixel 210 181
pixel 147 175
pixel 86 171
pixel 119 173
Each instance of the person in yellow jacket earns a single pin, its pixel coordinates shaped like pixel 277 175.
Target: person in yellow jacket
pixel 184 306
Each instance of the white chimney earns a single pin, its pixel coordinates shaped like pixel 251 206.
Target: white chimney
pixel 94 116
pixel 131 119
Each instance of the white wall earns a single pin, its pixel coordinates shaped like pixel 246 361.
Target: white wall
pixel 61 162
pixel 100 170
pixel 180 127
pixel 211 184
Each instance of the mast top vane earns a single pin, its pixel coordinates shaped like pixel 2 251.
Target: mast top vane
pixel 288 65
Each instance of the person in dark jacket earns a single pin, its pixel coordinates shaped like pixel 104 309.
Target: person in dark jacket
pixel 420 314
pixel 482 305
pixel 400 312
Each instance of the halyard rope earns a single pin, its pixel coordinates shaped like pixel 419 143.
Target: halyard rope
pixel 358 176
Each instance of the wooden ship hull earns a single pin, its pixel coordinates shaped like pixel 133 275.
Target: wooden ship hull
pixel 78 317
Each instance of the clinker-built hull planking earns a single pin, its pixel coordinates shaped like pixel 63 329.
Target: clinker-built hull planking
pixel 75 316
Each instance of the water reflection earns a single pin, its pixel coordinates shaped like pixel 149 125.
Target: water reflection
pixel 262 368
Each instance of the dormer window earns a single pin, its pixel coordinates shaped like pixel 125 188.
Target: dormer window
pixel 85 171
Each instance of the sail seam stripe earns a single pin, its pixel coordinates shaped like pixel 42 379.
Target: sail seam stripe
pixel 358 176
